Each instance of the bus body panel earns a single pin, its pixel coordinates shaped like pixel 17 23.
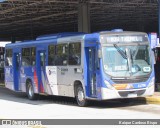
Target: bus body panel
pixel 60 79
pixel 9 78
pixel 92 72
pixel 57 82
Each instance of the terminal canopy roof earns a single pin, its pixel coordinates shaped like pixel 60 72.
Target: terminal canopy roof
pixel 26 19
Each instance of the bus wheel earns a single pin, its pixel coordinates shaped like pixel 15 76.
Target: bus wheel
pixel 30 91
pixel 80 97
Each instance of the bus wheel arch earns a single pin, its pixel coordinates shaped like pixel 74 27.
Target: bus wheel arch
pixel 80 94
pixel 30 90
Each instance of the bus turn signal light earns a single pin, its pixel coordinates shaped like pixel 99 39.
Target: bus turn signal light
pixel 120 86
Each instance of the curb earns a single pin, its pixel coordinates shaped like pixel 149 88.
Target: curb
pixel 150 99
pixel 2 85
pixel 153 99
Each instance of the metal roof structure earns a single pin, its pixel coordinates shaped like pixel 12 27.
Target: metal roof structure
pixel 26 19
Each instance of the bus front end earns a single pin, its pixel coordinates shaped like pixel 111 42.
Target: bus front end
pixel 126 66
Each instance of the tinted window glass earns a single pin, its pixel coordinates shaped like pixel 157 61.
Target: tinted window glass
pixel 61 57
pixel 8 61
pixel 28 56
pixel 51 55
pixel 75 54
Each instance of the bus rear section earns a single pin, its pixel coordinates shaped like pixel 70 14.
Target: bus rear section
pixel 25 68
pixel 50 66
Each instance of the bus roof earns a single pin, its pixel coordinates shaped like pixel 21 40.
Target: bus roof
pixel 59 35
pixel 54 37
pixel 45 39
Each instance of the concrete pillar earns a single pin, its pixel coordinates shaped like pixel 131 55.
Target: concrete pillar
pixel 159 17
pixel 84 18
pixel 13 39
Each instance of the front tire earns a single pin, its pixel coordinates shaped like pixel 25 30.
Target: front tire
pixel 30 91
pixel 80 97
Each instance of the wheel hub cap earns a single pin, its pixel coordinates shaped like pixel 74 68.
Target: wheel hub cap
pixel 80 96
pixel 30 91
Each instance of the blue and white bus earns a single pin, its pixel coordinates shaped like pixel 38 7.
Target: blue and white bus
pixel 98 66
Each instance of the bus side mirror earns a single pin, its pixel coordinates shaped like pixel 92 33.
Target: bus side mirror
pixel 154 55
pixel 98 59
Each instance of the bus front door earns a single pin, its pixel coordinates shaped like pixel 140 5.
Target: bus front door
pixel 91 75
pixel 40 67
pixel 16 71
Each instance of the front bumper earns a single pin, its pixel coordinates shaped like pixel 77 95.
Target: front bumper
pixel 131 93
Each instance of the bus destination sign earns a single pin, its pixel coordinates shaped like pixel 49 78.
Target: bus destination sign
pixel 124 39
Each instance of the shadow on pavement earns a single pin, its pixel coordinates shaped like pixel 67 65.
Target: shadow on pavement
pixel 6 94
pixel 116 103
pixel 9 95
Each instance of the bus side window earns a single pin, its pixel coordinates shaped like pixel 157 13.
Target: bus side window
pixel 51 55
pixel 33 56
pixel 8 60
pixel 61 57
pixel 29 56
pixel 74 54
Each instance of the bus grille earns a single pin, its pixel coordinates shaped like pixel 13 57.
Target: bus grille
pixel 117 81
pixel 125 93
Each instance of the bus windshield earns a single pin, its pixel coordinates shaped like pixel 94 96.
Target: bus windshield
pixel 126 60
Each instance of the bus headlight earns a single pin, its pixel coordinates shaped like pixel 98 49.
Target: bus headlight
pixel 108 84
pixel 151 83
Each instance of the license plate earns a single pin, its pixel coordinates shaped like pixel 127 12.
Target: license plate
pixel 132 95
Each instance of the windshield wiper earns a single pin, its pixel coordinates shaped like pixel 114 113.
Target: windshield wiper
pixel 123 54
